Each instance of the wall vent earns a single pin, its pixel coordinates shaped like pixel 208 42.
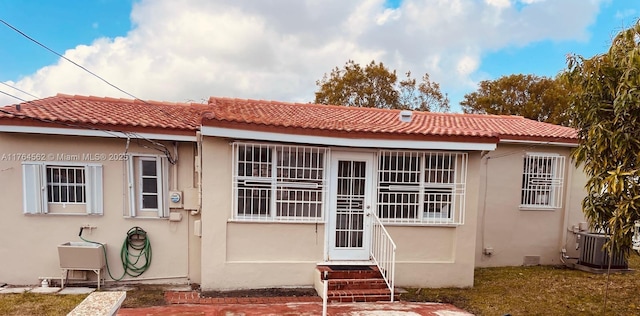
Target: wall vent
pixel 531 261
pixel 593 255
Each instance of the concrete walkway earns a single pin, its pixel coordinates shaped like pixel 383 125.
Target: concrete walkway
pixel 299 308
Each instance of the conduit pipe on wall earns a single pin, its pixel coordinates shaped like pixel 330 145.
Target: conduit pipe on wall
pixel 174 181
pixel 125 179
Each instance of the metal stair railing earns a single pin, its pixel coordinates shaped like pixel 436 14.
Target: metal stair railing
pixel 383 253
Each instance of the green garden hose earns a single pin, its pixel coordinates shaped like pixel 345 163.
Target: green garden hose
pixel 135 253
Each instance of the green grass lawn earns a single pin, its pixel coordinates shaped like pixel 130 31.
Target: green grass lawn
pixel 38 304
pixel 55 304
pixel 541 290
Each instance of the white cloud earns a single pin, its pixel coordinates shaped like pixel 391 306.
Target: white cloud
pixel 388 15
pixel 499 3
pixel 627 13
pixel 193 49
pixel 467 65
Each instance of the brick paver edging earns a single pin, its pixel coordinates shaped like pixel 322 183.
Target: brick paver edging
pixel 193 297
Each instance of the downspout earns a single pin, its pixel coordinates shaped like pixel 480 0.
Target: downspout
pixel 483 220
pixel 198 168
pixel 565 218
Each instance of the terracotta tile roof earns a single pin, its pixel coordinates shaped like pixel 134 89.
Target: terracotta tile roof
pixel 314 119
pixel 107 113
pixel 282 117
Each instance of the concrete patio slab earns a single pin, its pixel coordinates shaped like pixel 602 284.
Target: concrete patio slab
pixel 119 288
pixel 15 290
pixel 45 290
pixel 100 303
pixel 76 290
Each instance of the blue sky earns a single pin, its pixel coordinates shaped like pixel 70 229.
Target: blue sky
pixel 190 50
pixel 57 24
pixel 548 57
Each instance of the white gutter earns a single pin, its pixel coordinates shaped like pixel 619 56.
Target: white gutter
pixel 346 142
pixel 515 141
pixel 91 132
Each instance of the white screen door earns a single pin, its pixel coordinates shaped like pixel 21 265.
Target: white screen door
pixel 350 196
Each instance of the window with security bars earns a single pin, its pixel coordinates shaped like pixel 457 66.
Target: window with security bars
pixel 542 181
pixel 50 188
pixel 65 184
pixel 278 182
pixel 421 187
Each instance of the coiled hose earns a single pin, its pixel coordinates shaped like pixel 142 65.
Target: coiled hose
pixel 135 253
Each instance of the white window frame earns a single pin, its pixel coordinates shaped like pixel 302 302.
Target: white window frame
pixel 542 182
pixel 416 186
pixel 134 176
pixel 51 170
pixel 35 188
pixel 140 180
pixel 270 179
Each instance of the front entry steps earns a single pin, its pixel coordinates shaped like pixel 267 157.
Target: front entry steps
pixel 353 284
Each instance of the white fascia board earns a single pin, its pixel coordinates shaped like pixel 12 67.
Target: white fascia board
pixel 534 142
pixel 344 142
pixel 91 132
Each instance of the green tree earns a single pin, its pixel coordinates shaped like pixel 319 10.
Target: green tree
pixel 423 96
pixel 376 86
pixel 606 111
pixel 538 98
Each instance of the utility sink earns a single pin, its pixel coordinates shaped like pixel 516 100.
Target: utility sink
pixel 80 255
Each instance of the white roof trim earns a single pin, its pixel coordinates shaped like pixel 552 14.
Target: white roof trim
pixel 346 142
pixel 90 132
pixel 515 141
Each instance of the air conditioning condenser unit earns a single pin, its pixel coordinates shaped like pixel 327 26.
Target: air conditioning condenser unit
pixel 592 253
